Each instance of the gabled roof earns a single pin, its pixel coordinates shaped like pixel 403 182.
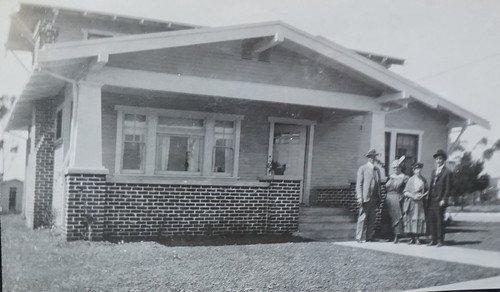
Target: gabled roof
pixel 332 53
pixel 24 22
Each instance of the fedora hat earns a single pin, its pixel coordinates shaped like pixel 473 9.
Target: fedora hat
pixel 441 153
pixel 372 153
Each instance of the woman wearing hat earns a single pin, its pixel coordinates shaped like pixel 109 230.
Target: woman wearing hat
pixel 394 186
pixel 415 192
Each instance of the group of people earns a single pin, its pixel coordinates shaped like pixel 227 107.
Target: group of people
pixel 416 207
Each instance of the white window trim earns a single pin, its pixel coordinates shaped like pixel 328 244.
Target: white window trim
pixel 151 122
pixel 394 132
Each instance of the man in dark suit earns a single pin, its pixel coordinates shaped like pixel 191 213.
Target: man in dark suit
pixel 438 196
pixel 368 196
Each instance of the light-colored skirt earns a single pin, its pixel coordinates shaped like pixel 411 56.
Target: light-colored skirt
pixel 414 216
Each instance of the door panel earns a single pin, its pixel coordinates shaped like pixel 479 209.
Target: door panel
pixel 289 147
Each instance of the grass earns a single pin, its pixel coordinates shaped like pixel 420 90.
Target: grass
pixel 39 261
pixel 476 235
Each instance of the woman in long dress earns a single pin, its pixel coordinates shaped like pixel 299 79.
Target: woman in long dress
pixel 415 192
pixel 394 186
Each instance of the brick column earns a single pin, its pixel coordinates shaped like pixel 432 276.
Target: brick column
pixel 283 204
pixel 84 206
pixel 43 118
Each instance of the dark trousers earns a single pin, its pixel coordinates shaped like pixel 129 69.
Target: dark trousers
pixel 436 221
pixel 366 220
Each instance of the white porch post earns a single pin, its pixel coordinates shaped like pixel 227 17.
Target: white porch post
pixel 86 135
pixel 372 135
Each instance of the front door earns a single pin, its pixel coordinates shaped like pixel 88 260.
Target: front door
pixel 289 147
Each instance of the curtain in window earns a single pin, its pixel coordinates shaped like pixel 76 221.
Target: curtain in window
pixel 134 142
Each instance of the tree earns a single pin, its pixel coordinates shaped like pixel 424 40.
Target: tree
pixel 468 176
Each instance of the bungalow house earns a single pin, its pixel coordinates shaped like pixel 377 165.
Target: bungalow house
pixel 140 128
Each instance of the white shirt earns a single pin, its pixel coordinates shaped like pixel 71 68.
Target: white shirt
pixel 439 169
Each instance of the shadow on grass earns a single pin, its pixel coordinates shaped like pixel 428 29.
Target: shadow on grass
pixel 463 230
pixel 458 243
pixel 220 240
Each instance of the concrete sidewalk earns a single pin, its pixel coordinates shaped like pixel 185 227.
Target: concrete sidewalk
pixel 475 216
pixel 483 284
pixel 482 258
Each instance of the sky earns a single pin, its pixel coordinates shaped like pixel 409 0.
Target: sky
pixel 451 47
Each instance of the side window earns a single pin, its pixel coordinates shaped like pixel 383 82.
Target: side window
pixel 58 124
pixel 134 142
pixel 223 150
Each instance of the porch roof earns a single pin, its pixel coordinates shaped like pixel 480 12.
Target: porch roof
pixel 68 59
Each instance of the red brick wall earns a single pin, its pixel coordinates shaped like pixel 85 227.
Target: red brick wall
pixel 131 210
pixel 44 165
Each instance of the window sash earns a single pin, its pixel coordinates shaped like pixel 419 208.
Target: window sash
pixel 165 162
pixel 205 128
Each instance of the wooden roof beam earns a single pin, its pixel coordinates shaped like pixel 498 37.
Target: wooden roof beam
pixel 394 97
pixel 253 48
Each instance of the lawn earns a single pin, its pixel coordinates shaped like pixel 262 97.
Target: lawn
pixel 477 235
pixel 39 261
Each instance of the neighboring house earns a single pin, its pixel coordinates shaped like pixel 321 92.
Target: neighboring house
pixel 143 128
pixel 495 186
pixel 11 196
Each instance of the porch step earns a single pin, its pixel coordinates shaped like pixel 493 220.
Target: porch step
pixel 326 223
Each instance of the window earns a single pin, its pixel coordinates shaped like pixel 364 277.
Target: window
pixel 134 141
pixel 58 123
pixel 402 142
pixel 176 143
pixel 223 151
pixel 179 143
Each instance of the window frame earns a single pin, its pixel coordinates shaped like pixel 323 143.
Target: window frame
pixel 152 115
pixel 59 124
pixel 392 148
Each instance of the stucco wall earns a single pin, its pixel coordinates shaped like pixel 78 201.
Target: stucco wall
pixel 336 151
pixel 431 122
pixel 254 141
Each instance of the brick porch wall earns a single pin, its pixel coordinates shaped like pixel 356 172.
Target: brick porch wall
pixel 146 211
pixel 344 196
pixel 85 204
pixel 44 165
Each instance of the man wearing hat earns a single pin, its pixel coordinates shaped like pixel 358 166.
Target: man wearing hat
pixel 368 196
pixel 438 196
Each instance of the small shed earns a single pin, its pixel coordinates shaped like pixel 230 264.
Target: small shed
pixel 11 196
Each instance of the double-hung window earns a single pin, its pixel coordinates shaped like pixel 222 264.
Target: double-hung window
pixel 223 149
pixel 134 143
pixel 176 143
